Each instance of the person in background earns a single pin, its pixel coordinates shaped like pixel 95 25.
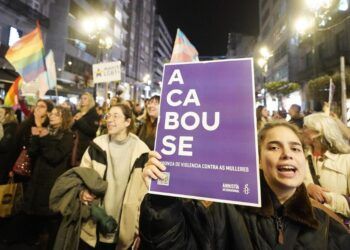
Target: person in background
pixel 67 104
pixel 85 123
pixel 279 115
pixel 137 109
pixel 262 116
pixel 286 219
pixel 8 128
pixel 38 119
pixel 296 117
pixel 328 180
pixel 51 147
pixel 147 131
pixel 118 157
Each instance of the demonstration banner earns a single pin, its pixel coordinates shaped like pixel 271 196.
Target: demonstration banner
pixel 207 133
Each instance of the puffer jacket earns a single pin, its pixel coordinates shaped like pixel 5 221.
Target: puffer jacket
pixel 169 223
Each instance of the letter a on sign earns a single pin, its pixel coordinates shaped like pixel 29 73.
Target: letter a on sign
pixel 176 77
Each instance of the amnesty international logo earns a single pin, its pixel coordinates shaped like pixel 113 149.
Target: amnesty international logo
pixel 246 189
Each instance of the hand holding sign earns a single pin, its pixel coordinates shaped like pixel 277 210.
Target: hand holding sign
pixel 153 168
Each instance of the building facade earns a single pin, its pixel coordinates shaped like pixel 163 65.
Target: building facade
pixel 126 36
pixel 18 18
pixel 240 45
pixel 162 49
pixel 277 33
pixel 140 46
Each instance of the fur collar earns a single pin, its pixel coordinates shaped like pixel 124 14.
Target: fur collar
pixel 298 208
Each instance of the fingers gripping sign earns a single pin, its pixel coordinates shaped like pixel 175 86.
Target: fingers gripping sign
pixel 153 168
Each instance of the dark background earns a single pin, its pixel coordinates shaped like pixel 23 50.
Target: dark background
pixel 206 23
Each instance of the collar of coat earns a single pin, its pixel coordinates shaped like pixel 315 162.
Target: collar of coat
pixel 298 208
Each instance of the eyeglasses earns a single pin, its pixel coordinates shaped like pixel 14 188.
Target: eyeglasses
pixel 113 116
pixel 40 106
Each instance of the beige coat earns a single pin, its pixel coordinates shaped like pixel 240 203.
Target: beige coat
pixel 135 191
pixel 334 174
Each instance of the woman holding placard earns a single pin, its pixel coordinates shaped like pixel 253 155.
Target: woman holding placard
pixel 286 220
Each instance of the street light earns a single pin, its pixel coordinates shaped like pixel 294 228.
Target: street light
pixel 322 10
pixel 262 61
pixel 94 27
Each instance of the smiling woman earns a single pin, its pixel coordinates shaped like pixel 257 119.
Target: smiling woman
pixel 118 157
pixel 286 220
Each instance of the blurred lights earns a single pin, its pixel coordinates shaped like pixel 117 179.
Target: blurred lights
pixel 343 5
pixel 265 52
pixel 262 62
pixel 304 24
pixel 95 24
pixel 316 5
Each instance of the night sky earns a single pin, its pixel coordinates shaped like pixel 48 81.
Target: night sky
pixel 207 22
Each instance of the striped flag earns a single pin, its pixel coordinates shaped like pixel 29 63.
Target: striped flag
pixel 27 55
pixel 183 50
pixel 11 98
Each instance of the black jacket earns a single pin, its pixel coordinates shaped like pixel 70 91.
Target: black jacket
pixel 86 128
pixel 168 223
pixel 52 153
pixel 8 153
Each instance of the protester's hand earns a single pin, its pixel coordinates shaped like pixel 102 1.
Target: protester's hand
pixel 153 168
pixel 35 131
pixel 38 119
pixel 77 116
pixel 318 193
pixel 86 196
pixel 43 132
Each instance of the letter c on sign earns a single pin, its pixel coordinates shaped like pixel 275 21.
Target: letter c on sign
pixel 169 97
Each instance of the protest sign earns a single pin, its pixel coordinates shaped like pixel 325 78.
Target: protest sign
pixel 207 132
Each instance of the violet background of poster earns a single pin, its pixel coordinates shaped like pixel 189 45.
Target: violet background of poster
pixel 226 86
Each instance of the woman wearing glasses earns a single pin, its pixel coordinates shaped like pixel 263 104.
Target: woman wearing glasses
pixel 118 157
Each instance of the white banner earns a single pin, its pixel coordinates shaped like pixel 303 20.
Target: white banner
pixel 106 72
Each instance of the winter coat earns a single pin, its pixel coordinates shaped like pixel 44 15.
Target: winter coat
pixel 24 135
pixel 24 132
pixel 8 154
pixel 64 198
pixel 333 172
pixel 298 121
pixel 168 223
pixel 52 154
pixel 98 157
pixel 86 128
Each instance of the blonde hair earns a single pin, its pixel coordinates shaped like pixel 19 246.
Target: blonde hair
pixel 91 102
pixel 329 132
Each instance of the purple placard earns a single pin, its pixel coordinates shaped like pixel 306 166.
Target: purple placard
pixel 207 132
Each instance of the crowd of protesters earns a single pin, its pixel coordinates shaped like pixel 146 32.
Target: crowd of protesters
pixel 91 167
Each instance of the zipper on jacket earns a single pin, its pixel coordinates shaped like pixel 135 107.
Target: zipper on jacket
pixel 280 229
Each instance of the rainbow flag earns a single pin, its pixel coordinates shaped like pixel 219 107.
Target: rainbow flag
pixel 27 55
pixel 11 98
pixel 183 50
